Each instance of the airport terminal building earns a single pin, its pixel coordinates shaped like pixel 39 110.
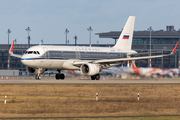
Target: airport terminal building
pixel 162 42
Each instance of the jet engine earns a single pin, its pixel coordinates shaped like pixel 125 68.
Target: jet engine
pixel 35 71
pixel 90 69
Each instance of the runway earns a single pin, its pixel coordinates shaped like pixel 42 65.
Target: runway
pixel 88 81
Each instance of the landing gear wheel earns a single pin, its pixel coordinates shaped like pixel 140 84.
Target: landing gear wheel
pixel 57 76
pixel 37 77
pixel 93 77
pixel 60 76
pixel 97 76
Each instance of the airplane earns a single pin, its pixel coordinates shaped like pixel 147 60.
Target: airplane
pixel 89 60
pixel 147 72
pixel 154 72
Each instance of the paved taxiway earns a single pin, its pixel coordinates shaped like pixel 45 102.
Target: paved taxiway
pixel 88 81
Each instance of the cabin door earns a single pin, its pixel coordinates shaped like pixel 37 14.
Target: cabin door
pixel 46 54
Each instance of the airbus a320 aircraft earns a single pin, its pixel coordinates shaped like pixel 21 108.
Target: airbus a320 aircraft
pixel 89 60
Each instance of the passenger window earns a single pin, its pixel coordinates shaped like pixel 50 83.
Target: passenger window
pixel 26 52
pixel 35 52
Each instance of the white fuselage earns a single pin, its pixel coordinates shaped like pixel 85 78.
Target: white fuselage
pixel 63 57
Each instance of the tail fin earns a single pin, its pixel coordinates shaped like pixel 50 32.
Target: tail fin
pixel 135 69
pixel 134 65
pixel 125 39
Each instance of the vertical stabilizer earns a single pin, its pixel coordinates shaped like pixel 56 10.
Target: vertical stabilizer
pixel 135 69
pixel 125 39
pixel 134 65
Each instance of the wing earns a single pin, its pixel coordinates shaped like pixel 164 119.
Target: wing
pixel 136 54
pixel 11 51
pixel 112 61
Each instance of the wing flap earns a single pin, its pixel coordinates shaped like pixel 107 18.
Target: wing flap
pixel 136 54
pixel 127 59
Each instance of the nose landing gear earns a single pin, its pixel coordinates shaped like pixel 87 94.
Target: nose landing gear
pixel 38 77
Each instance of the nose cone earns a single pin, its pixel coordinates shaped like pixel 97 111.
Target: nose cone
pixel 25 60
pixel 29 60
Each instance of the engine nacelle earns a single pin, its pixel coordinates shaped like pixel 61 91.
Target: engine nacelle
pixel 35 71
pixel 90 69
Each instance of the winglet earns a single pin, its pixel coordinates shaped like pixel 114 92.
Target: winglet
pixel 174 50
pixel 11 49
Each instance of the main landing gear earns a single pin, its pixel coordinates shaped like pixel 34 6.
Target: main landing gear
pixel 95 77
pixel 60 75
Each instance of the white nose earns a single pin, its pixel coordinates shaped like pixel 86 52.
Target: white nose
pixel 24 61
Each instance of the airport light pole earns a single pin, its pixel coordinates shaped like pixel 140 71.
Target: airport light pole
pixel 150 29
pixel 8 32
pixel 75 37
pixel 42 41
pixel 90 29
pixel 28 29
pixel 66 31
pixel 15 41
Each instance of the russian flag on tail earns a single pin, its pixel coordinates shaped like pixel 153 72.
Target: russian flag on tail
pixel 126 37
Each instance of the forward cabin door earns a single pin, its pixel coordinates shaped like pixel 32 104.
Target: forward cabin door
pixel 46 63
pixel 46 53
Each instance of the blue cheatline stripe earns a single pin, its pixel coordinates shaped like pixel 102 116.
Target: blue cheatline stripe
pixel 32 58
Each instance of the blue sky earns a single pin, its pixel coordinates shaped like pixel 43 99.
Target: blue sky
pixel 48 19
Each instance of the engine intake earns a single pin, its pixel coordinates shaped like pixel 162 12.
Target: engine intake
pixel 90 69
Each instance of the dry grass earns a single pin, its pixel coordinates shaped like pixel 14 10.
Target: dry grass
pixel 79 100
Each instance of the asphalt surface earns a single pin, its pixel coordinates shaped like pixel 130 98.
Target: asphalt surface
pixel 89 81
pixel 143 116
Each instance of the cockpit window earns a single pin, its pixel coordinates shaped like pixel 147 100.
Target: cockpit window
pixel 35 52
pixel 38 52
pixel 32 52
